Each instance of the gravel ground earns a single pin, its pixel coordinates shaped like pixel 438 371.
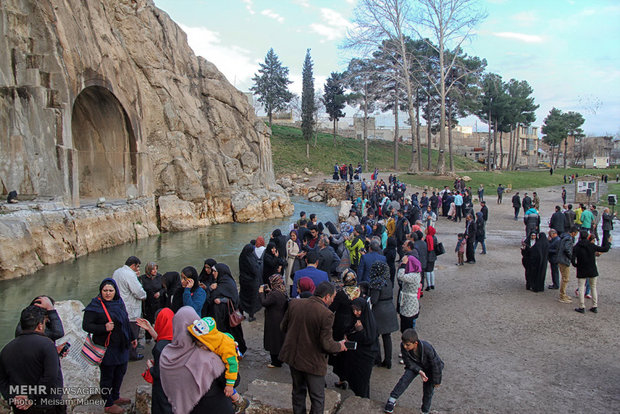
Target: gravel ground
pixel 506 349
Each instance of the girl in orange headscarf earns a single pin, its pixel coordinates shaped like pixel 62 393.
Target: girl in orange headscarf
pixel 431 242
pixel 162 333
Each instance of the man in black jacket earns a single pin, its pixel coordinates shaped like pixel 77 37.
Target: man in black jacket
pixel 30 376
pixel 554 248
pixel 484 210
pixel 558 221
pixel 526 203
pixel 516 204
pixel 420 358
pixel 564 256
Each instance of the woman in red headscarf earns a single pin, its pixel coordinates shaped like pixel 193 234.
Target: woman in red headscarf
pixel 162 333
pixel 431 242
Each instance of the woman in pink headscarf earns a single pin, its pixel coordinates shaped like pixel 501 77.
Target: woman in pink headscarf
pixel 409 273
pixel 191 375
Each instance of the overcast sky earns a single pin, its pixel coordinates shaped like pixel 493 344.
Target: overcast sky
pixel 568 50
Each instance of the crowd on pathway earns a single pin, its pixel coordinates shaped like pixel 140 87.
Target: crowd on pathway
pixel 328 296
pixel 557 250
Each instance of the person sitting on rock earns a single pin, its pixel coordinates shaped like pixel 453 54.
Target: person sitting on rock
pixel 12 197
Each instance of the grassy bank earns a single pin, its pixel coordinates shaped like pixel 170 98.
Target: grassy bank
pixel 289 153
pixel 515 179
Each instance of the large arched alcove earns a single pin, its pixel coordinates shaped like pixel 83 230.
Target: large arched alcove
pixel 105 142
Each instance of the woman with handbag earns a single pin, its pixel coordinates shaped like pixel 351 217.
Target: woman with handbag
pixel 107 320
pixel 223 301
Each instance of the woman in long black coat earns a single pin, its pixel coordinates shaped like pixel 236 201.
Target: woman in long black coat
pixel 275 301
pixel 222 291
pixel 542 245
pixel 343 320
pixel 383 310
pixel 115 333
pixel 249 281
pixel 361 360
pixel 584 259
pixel 530 259
pixel 533 252
pixel 390 257
pixel 152 284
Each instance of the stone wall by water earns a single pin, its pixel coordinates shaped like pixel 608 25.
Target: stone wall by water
pixel 106 99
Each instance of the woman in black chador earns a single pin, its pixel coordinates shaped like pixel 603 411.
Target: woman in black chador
pixel 250 280
pixel 361 360
pixel 542 245
pixel 535 251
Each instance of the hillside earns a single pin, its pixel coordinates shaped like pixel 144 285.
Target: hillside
pixel 289 153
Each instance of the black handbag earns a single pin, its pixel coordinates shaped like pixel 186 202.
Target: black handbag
pixel 439 249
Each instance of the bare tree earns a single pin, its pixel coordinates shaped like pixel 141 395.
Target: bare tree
pixel 386 20
pixel 448 23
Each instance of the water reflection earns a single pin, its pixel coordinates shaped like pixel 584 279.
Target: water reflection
pixel 80 278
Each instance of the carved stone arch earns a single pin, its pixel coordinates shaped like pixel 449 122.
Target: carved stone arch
pixel 105 142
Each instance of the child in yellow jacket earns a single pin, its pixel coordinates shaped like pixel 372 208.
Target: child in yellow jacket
pixel 224 345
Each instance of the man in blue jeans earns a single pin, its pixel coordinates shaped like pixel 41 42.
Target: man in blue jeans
pixel 458 203
pixel 420 359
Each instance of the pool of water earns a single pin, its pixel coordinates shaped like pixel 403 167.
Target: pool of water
pixel 80 278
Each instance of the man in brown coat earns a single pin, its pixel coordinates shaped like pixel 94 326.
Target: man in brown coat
pixel 307 325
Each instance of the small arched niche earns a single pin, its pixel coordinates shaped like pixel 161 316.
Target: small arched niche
pixel 106 145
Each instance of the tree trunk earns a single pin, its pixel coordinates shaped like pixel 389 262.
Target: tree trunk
pixel 501 150
pixel 428 135
pixel 441 161
pixel 417 131
pixel 495 145
pixel 396 132
pixel 518 139
pixel 509 162
pixel 418 139
pixel 489 145
pixel 365 128
pixel 551 155
pixel 415 166
pixel 450 139
pixel 565 150
pixel 270 115
pixel 335 122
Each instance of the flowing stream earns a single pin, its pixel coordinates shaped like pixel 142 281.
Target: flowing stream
pixel 80 278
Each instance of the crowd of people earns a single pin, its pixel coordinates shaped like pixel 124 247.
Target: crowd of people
pixel 557 250
pixel 333 294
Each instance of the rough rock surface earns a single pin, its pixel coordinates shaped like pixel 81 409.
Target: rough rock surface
pixel 337 189
pixel 275 398
pixel 106 99
pixel 357 405
pixel 76 372
pixel 144 397
pixel 345 208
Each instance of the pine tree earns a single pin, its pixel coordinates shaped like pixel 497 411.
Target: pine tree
pixel 271 85
pixel 307 101
pixel 334 99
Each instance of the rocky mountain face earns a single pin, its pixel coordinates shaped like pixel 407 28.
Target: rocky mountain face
pixel 106 99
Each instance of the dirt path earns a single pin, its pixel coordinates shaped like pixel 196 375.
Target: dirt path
pixel 506 349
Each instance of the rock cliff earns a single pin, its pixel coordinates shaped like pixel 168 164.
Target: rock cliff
pixel 106 99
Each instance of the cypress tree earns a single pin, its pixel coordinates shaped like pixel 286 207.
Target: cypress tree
pixel 307 101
